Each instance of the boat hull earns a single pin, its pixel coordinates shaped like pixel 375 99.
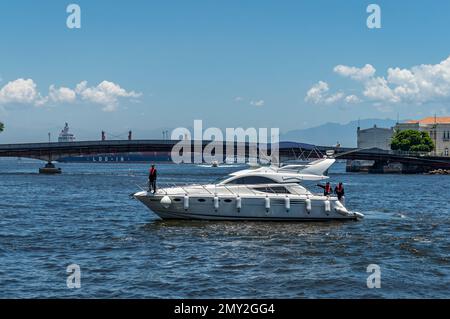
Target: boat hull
pixel 253 209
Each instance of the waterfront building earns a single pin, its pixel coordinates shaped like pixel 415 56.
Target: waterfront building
pixel 437 127
pixel 369 138
pixel 375 137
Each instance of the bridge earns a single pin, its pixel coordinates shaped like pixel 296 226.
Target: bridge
pixel 53 151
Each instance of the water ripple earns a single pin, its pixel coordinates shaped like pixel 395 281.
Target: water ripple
pixel 85 217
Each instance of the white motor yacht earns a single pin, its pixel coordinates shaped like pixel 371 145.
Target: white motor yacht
pixel 260 194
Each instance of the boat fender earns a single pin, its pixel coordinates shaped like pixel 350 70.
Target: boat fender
pixel 308 205
pixel 238 203
pixel 358 215
pixel 327 206
pixel 287 203
pixel 216 202
pixel 340 208
pixel 267 202
pixel 342 211
pixel 165 201
pixel 186 202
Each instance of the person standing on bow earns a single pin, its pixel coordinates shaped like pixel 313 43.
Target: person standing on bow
pixel 153 174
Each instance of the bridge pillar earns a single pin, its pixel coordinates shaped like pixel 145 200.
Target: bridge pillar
pixel 378 167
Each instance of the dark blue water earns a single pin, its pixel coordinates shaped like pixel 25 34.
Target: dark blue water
pixel 85 217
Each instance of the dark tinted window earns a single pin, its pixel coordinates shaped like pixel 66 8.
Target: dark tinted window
pixel 273 190
pixel 252 180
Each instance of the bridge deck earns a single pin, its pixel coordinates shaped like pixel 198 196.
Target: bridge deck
pixel 48 151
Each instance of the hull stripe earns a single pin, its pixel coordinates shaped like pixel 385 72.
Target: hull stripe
pixel 226 217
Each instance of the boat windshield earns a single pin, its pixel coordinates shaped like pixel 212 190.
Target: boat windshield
pixel 246 180
pixel 220 180
pixel 251 180
pixel 272 189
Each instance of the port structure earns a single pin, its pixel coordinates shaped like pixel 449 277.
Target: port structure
pixel 53 151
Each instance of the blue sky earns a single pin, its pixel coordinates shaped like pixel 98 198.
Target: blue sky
pixel 230 63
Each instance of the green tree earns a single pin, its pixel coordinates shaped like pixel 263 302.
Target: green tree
pixel 412 141
pixel 1 127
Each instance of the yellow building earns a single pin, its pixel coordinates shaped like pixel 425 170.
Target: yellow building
pixel 437 127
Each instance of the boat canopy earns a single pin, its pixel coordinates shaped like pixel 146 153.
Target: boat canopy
pixel 314 171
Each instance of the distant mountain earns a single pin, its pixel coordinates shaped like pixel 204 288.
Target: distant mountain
pixel 331 133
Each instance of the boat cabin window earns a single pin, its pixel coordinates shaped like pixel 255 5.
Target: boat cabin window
pixel 272 189
pixel 252 180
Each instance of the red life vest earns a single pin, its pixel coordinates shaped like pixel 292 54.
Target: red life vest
pixel 328 189
pixel 152 171
pixel 340 188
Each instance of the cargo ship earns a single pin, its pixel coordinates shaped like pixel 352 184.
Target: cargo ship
pixel 141 157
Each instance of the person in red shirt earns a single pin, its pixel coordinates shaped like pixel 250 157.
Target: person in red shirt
pixel 152 179
pixel 326 189
pixel 339 191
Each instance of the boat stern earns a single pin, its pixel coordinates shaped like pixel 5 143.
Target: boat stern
pixel 341 209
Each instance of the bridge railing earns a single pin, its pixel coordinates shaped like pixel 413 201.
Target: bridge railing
pixel 420 154
pixel 396 152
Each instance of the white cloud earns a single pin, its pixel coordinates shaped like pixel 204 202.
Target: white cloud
pixel 319 94
pixel 421 84
pixel 257 103
pixel 355 73
pixel 352 99
pixel 416 85
pixel 334 98
pixel 377 89
pixel 316 92
pixel 61 95
pixel 20 91
pixel 106 93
